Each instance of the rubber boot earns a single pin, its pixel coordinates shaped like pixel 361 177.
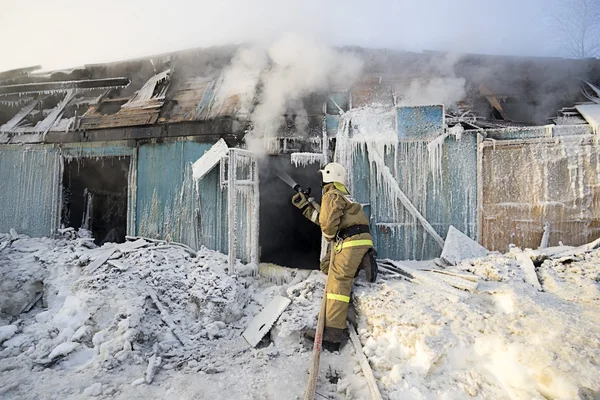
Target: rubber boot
pixel 369 264
pixel 332 338
pixel 351 317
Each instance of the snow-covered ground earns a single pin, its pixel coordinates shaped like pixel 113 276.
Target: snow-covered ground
pixel 99 331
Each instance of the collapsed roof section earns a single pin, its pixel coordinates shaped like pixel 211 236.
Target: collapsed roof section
pixel 192 87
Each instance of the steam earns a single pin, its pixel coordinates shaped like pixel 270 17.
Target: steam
pixel 241 76
pixel 437 85
pixel 447 91
pixel 294 68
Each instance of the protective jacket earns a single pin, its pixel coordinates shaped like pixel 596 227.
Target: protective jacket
pixel 338 212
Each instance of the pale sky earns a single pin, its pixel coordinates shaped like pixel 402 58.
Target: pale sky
pixel 68 33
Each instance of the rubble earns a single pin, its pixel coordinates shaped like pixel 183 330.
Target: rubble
pixel 170 326
pixel 459 246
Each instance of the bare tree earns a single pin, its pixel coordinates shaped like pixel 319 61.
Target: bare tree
pixel 577 22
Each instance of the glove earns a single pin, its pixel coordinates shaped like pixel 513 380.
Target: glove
pixel 300 201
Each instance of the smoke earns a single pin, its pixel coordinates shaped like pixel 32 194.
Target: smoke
pixel 447 91
pixel 437 83
pixel 293 68
pixel 241 76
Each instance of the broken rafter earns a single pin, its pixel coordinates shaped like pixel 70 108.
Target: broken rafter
pixel 48 87
pixel 493 99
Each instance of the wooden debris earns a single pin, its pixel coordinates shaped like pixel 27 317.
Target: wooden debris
pixel 528 269
pixel 364 363
pixel 118 265
pixel 153 365
pixel 426 279
pixel 184 340
pixel 100 259
pixel 586 248
pixel 32 303
pixel 130 246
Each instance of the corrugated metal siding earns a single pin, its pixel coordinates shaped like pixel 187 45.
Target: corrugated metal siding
pixel 212 217
pixel 29 187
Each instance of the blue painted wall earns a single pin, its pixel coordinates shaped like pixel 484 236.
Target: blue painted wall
pixel 444 200
pixel 421 122
pixel 29 189
pixel 169 202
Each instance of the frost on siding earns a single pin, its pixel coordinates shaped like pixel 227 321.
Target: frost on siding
pixel 383 167
pixel 550 182
pixel 29 187
pixel 166 195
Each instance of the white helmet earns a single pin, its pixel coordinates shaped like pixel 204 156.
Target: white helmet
pixel 334 172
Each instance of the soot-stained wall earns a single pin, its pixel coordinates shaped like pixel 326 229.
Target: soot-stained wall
pixel 286 237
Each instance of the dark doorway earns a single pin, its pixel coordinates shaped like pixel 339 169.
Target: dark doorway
pixel 286 237
pixel 95 197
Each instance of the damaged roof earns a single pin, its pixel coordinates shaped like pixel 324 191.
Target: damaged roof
pixel 191 87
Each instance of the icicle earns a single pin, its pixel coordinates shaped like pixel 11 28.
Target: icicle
pixel 436 152
pixel 303 159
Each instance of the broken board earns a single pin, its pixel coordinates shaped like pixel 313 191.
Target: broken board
pixel 262 323
pixel 459 246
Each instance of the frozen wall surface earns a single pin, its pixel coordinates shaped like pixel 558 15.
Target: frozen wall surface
pixel 29 189
pixel 406 151
pixel 166 200
pixel 171 204
pixel 527 184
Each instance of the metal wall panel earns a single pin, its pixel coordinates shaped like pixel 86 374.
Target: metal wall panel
pixel 528 183
pixel 420 122
pixel 169 202
pixel 212 212
pixel 446 195
pixel 166 199
pixel 30 189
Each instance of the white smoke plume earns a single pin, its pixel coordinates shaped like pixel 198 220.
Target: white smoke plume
pixel 293 67
pixel 437 85
pixel 447 91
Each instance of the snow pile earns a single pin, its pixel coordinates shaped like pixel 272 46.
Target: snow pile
pixel 158 320
pixel 505 340
pixel 154 320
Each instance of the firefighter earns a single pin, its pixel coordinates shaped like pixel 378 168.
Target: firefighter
pixel 345 225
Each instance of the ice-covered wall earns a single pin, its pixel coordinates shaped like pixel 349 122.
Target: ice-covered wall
pixel 170 203
pixel 390 155
pixel 29 189
pixel 166 200
pixel 527 184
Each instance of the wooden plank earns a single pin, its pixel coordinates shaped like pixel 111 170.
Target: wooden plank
pixel 101 259
pixel 183 339
pixel 311 387
pixel 364 363
pixel 23 112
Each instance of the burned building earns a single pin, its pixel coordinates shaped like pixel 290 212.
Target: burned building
pixel 502 148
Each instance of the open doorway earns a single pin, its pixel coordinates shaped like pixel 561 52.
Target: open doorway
pixel 95 197
pixel 286 237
